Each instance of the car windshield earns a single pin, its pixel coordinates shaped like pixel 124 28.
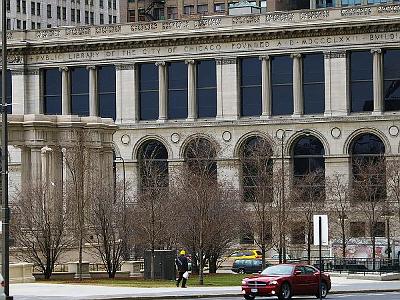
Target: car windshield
pixel 278 270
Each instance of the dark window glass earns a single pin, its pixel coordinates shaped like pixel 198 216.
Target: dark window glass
pixel 106 88
pixel 80 91
pixel 52 92
pixel 153 167
pixel 206 93
pixel 368 168
pixel 177 90
pixel 357 229
pixel 297 233
pixel 391 71
pixel 309 168
pixel 148 91
pixel 379 229
pixel 282 85
pixel 250 86
pixel 314 84
pixel 8 91
pixel 257 180
pixel 361 83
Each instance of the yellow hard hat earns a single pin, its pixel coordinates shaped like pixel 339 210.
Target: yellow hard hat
pixel 182 252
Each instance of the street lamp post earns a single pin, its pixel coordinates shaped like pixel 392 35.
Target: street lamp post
pixel 124 245
pixel 4 161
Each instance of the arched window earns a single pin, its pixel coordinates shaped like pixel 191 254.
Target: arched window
pixel 368 167
pixel 309 167
pixel 153 166
pixel 257 170
pixel 200 157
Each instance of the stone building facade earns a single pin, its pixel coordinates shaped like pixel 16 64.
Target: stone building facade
pixel 326 78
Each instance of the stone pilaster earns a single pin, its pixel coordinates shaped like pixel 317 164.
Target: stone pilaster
pixel 19 79
pixel 298 85
pixel 33 103
pixel 175 169
pixel 93 93
pixel 35 165
pixel 163 90
pixel 266 86
pixel 25 165
pixel 378 81
pixel 127 94
pixel 228 100
pixel 192 107
pixel 65 91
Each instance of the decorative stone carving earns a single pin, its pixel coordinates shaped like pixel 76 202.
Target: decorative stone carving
pixel 77 31
pixel 312 15
pixel 361 11
pixel 335 54
pixel 24 71
pixel 144 26
pixel 190 61
pixel 336 132
pixel 376 50
pixel 125 67
pixel 160 63
pixel 212 22
pixel 279 17
pixel 389 9
pixel 226 61
pixel 393 130
pixel 246 20
pixel 264 57
pixel 107 29
pixel 125 139
pixel 226 136
pixel 175 25
pixel 175 137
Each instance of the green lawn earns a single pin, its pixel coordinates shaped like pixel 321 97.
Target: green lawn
pixel 209 280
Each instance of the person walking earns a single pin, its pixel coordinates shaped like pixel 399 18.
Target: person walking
pixel 182 266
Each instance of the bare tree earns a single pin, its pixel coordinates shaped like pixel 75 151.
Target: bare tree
pixel 393 182
pixel 258 190
pixel 308 195
pixel 339 194
pixel 369 192
pixel 40 225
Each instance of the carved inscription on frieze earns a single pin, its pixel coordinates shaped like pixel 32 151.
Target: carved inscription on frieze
pixel 42 34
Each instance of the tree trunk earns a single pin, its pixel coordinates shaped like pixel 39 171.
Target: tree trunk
pixel 373 251
pixel 152 264
pixel 263 255
pixel 343 240
pixel 201 269
pixel 309 245
pixel 213 265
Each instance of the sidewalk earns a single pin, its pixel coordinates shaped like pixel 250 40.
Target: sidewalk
pixel 36 291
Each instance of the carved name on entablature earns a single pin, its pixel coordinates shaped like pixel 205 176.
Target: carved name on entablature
pixel 125 67
pixel 279 17
pixel 14 59
pixel 48 33
pixel 314 15
pixel 226 61
pixel 211 22
pixel 246 20
pixel 389 9
pixel 335 54
pixel 361 11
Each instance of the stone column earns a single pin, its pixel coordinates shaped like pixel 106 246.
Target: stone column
pixel 163 90
pixel 228 100
pixel 297 85
pixel 65 91
pixel 266 88
pixel 93 98
pixel 192 107
pixel 35 165
pixel 378 81
pixel 337 101
pixel 25 165
pixel 127 94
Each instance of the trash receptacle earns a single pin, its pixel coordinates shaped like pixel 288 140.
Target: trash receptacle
pixel 164 264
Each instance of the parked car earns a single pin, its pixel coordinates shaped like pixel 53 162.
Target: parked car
pixel 285 281
pixel 246 254
pixel 247 266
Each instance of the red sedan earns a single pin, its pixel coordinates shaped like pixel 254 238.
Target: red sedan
pixel 285 281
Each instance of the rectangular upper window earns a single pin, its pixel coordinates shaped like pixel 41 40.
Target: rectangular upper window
pixel 206 89
pixel 52 92
pixel 314 83
pixel 8 91
pixel 80 91
pixel 282 85
pixel 48 11
pixel 177 90
pixel 361 83
pixel 106 91
pixel 148 91
pixel 250 86
pixel 391 78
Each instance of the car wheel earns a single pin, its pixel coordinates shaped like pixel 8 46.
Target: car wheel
pixel 249 297
pixel 241 271
pixel 285 292
pixel 323 290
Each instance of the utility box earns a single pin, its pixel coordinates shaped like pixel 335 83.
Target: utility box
pixel 164 264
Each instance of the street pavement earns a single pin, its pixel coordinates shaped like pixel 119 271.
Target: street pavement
pixel 46 291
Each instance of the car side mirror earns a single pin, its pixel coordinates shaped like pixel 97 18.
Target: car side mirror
pixel 297 272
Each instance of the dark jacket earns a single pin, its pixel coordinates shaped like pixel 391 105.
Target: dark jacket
pixel 182 263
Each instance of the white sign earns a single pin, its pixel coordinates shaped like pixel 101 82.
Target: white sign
pixel 324 229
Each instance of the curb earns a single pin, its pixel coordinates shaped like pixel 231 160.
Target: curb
pixel 234 295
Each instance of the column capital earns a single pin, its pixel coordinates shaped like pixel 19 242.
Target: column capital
pixel 90 67
pixel 264 57
pixel 190 61
pixel 376 50
pixel 296 55
pixel 160 63
pixel 63 69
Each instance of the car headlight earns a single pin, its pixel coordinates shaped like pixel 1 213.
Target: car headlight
pixel 273 282
pixel 244 282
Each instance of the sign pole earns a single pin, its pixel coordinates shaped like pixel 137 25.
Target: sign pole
pixel 320 255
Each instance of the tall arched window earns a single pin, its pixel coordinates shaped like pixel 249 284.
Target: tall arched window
pixel 153 166
pixel 368 167
pixel 200 157
pixel 309 167
pixel 257 170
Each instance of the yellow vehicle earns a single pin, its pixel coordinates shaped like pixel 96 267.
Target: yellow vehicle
pixel 246 254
